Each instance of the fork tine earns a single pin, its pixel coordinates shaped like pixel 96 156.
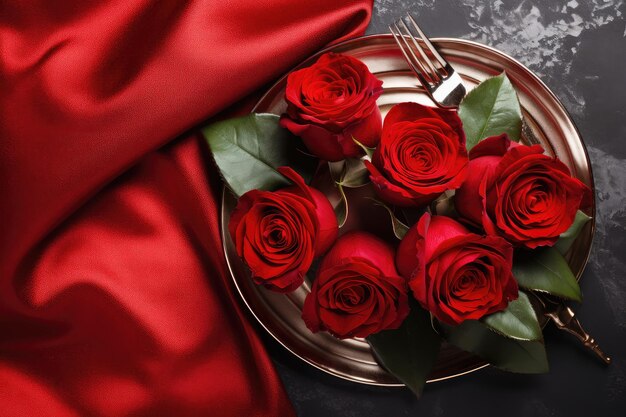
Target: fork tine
pixel 430 46
pixel 411 58
pixel 433 73
pixel 442 84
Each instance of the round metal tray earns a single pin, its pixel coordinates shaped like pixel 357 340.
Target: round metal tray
pixel 546 121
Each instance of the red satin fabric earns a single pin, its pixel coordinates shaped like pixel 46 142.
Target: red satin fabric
pixel 114 296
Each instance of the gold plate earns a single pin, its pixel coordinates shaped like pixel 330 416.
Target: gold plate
pixel 546 121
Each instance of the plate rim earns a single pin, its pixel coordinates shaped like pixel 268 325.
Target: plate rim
pixel 377 37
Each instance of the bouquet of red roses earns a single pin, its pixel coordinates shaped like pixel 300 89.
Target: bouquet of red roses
pixel 478 220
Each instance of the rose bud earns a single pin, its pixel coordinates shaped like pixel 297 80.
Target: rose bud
pixel 278 234
pixel 331 102
pixel 455 274
pixel 357 290
pixel 517 192
pixel 421 154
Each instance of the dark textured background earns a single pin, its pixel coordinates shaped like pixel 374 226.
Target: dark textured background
pixel 579 49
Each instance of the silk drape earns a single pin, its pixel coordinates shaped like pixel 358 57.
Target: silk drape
pixel 114 296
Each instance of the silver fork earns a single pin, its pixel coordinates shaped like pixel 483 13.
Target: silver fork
pixel 442 83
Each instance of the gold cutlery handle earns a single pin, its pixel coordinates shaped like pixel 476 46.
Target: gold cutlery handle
pixel 565 319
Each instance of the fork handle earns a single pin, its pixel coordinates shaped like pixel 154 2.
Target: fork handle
pixel 565 319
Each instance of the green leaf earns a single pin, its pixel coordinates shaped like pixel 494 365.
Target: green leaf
pixel 517 321
pixel 399 229
pixel 368 151
pixel 568 237
pixel 546 270
pixel 444 205
pixel 248 149
pixel 341 207
pixel 350 173
pixel 490 109
pixel 410 351
pixel 336 170
pixel 521 356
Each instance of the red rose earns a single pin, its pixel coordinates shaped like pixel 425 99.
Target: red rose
pixel 517 192
pixel 331 102
pixel 278 234
pixel 357 291
pixel 455 274
pixel 421 154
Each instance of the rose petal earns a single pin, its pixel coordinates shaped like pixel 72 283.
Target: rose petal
pixel 413 111
pixel 357 290
pixel 321 142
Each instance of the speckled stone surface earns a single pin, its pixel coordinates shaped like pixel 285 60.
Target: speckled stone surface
pixel 578 48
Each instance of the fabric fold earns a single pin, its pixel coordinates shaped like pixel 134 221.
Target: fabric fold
pixel 114 295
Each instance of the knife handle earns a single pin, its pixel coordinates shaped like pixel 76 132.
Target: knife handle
pixel 565 319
